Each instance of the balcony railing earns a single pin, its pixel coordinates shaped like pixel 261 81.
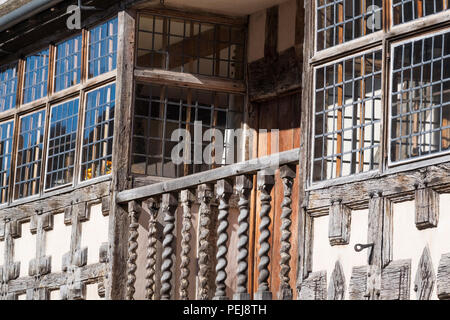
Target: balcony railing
pixel 161 201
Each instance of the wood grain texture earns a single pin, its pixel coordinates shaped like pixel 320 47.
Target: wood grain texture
pixel 425 277
pixel 443 277
pixel 427 208
pixel 396 281
pixel 339 224
pixel 314 287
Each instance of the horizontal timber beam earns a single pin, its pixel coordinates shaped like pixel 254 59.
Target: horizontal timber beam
pixel 190 181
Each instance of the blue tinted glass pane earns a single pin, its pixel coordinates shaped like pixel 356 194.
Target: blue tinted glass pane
pixel 36 76
pixel 29 155
pixel 6 134
pixel 103 48
pixel 61 144
pixel 8 87
pixel 68 63
pixel 96 158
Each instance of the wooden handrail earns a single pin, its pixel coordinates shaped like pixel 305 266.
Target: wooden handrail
pixel 245 167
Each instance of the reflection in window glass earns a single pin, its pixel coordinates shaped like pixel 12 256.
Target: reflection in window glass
pixel 340 21
pixel 189 46
pixel 29 155
pixel 8 87
pixel 420 97
pixel 6 136
pixel 160 110
pixel 103 48
pixel 61 144
pixel 36 76
pixel 408 10
pixel 68 63
pixel 347 117
pixel 96 157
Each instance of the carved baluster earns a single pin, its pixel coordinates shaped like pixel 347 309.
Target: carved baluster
pixel 224 191
pixel 187 197
pixel 287 174
pixel 169 206
pixel 244 186
pixel 265 185
pixel 153 207
pixel 204 195
pixel 133 214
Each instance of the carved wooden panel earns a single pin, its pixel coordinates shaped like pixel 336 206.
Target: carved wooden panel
pixel 339 224
pixel 358 283
pixel 314 287
pixel 427 208
pixel 425 277
pixel 336 288
pixel 396 280
pixel 443 277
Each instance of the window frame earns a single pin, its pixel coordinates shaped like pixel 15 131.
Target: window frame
pixel 392 45
pixel 82 61
pixel 87 38
pixel 313 126
pixel 148 75
pixel 385 38
pixel 16 152
pixel 436 16
pixel 46 103
pixel 80 143
pixel 76 151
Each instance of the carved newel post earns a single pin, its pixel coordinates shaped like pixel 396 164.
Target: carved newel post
pixel 204 194
pixel 287 174
pixel 152 206
pixel 244 187
pixel 265 185
pixel 187 198
pixel 224 192
pixel 168 208
pixel 133 214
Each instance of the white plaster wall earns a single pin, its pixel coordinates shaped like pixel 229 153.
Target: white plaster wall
pixel 55 295
pixel 94 232
pixel 57 241
pixel 409 242
pixel 92 292
pixel 325 255
pixel 22 297
pixel 287 12
pixel 256 36
pixel 25 249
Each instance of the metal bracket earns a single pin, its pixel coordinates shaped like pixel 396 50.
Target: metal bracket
pixel 360 247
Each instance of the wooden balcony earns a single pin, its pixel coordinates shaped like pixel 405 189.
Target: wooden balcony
pixel 211 236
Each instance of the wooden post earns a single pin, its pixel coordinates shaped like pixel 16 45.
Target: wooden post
pixel 244 186
pixel 224 191
pixel 168 208
pixel 266 182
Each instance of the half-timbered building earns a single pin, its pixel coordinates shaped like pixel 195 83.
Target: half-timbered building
pixel 227 149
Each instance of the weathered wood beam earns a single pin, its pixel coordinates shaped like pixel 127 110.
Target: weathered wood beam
pixel 250 166
pixel 339 224
pixel 187 80
pixel 427 208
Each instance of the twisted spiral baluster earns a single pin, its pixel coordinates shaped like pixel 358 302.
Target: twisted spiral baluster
pixel 186 202
pixel 133 214
pixel 169 205
pixel 151 250
pixel 204 197
pixel 287 174
pixel 243 186
pixel 224 191
pixel 265 185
